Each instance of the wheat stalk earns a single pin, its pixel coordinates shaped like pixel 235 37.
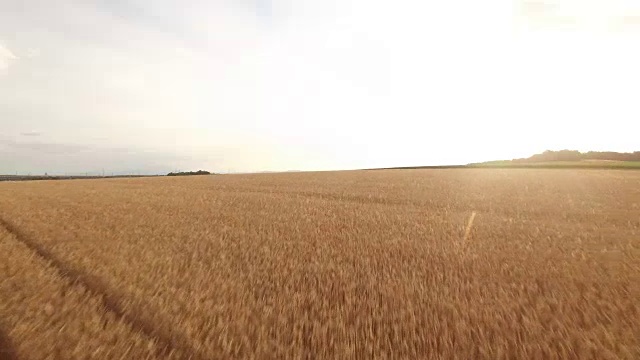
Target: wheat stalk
pixel 467 232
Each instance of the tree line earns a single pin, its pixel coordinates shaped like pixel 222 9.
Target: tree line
pixel 189 173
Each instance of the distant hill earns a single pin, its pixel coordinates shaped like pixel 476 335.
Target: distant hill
pixel 574 155
pixel 571 159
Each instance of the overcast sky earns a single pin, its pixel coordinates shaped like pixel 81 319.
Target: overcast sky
pixel 252 85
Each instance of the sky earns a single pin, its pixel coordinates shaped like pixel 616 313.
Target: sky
pixel 142 86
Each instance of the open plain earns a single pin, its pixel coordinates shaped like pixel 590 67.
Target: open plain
pixel 406 264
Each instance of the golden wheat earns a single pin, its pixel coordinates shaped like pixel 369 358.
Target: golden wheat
pixel 345 264
pixel 47 317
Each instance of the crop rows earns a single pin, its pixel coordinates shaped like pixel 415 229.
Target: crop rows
pixel 369 264
pixel 47 316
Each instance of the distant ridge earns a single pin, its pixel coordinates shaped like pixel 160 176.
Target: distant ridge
pixel 570 159
pixel 574 155
pixel 421 167
pixel 56 177
pixel 567 159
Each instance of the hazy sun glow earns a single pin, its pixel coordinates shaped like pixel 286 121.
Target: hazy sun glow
pixel 310 84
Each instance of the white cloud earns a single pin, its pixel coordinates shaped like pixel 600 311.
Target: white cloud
pixel 582 14
pixel 31 53
pixel 316 84
pixel 6 58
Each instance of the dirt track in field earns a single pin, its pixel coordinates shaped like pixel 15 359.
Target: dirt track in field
pixel 165 346
pixel 6 348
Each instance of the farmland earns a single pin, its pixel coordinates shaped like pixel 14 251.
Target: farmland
pixel 360 264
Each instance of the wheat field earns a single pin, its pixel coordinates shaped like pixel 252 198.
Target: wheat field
pixel 402 264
